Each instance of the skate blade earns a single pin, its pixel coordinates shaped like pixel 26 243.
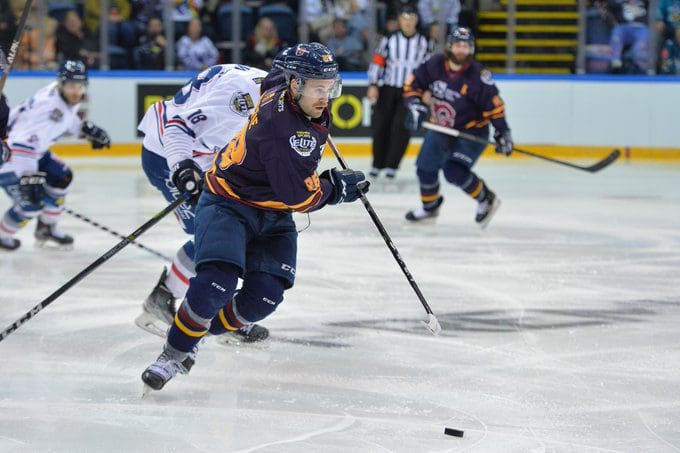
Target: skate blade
pixel 47 245
pixel 151 324
pixel 231 340
pixel 146 390
pixel 494 207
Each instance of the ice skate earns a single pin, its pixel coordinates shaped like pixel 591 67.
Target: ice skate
pixel 486 209
pixel 158 309
pixel 252 333
pixel 48 235
pixel 9 243
pixel 163 369
pixel 426 211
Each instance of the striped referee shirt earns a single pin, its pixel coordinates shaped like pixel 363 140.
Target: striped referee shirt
pixel 396 57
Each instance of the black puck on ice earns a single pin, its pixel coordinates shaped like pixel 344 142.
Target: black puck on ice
pixel 453 432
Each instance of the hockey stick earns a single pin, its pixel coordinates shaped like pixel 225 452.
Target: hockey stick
pixel 597 166
pixel 432 323
pixel 114 233
pixel 11 55
pixel 85 272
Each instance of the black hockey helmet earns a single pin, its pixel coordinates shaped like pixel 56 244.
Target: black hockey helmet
pixel 72 71
pixel 463 34
pixel 309 61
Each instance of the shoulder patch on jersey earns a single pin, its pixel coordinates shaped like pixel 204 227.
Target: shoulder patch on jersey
pixel 486 77
pixel 241 103
pixel 56 115
pixel 302 143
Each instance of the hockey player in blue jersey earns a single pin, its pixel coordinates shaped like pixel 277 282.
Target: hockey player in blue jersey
pixel 463 96
pixel 244 223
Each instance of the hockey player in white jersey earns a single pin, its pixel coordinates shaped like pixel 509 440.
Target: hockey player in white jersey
pixel 35 179
pixel 181 137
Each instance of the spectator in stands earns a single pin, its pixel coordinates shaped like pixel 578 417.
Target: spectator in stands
pixel 431 11
pixel 348 49
pixel 121 30
pixel 669 58
pixel 263 45
pixel 142 11
pixel 319 16
pixel 37 46
pixel 196 52
pixel 629 20
pixel 355 15
pixel 74 42
pixel 150 53
pixel 668 18
pixel 182 13
pixel 8 26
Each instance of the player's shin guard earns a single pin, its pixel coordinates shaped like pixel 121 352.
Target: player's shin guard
pixel 429 196
pixel 209 291
pixel 46 231
pixel 14 219
pixel 182 269
pixel 258 298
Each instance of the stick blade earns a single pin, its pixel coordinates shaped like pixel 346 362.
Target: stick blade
pixel 607 161
pixel 432 325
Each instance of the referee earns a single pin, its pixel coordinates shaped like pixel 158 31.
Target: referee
pixel 398 54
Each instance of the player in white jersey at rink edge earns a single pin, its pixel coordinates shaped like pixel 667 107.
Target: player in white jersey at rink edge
pixel 35 179
pixel 181 137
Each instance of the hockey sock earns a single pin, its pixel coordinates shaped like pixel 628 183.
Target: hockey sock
pixel 461 176
pixel 213 285
pixel 258 298
pixel 13 220
pixel 54 205
pixel 181 271
pixel 429 188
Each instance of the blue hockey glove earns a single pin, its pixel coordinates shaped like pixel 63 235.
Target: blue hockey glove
pixel 5 152
pixel 32 188
pixel 347 185
pixel 186 175
pixel 96 135
pixel 504 142
pixel 416 113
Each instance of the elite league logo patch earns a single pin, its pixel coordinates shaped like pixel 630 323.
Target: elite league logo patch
pixel 303 143
pixel 56 115
pixel 241 103
pixel 486 77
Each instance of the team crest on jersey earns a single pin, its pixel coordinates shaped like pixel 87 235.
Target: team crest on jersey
pixel 303 143
pixel 241 103
pixel 56 115
pixel 486 77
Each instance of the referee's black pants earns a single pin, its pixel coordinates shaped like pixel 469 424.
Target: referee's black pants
pixel 390 137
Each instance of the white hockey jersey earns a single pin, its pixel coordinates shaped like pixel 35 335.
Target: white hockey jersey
pixel 204 115
pixel 35 125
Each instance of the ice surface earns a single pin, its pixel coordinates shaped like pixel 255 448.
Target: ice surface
pixel 561 326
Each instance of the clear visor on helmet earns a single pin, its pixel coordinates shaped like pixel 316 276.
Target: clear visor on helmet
pixel 321 88
pixel 73 87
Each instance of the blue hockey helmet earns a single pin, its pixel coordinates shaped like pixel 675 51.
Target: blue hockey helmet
pixel 312 61
pixel 72 71
pixel 461 34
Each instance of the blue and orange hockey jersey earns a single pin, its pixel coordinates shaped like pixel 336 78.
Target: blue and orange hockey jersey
pixel 467 100
pixel 271 163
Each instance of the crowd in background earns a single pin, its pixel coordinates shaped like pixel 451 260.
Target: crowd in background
pixel 617 31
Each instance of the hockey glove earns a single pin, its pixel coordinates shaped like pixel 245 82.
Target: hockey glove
pixel 186 176
pixel 504 142
pixel 416 113
pixel 347 185
pixel 32 188
pixel 96 135
pixel 5 152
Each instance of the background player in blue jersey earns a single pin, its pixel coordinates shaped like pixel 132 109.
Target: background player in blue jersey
pixel 463 96
pixel 244 223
